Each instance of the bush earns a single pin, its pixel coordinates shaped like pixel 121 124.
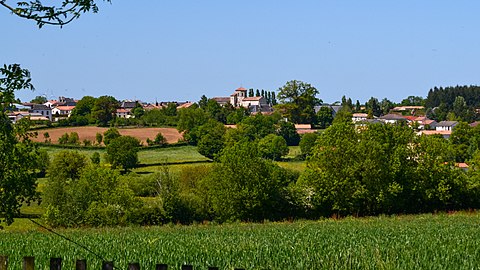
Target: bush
pixel 63 139
pixel 98 138
pixel 98 198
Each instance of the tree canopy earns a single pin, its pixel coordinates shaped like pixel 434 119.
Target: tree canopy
pixel 61 14
pixel 297 102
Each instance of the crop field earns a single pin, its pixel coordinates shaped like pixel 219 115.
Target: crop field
pixel 442 241
pixel 88 133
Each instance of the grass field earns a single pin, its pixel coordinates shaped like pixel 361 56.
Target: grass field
pixel 406 242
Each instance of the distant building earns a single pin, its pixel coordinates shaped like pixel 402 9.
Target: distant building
pixel 392 118
pixel 358 117
pixel 446 125
pixel 42 110
pixel 223 101
pixel 62 111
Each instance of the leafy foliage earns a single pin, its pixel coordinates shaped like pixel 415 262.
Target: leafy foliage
pixel 109 135
pixel 381 169
pixel 59 15
pixel 104 109
pixel 122 152
pixel 288 131
pixel 272 147
pixel 307 143
pixel 244 186
pixel 211 140
pixel 298 100
pixel 18 154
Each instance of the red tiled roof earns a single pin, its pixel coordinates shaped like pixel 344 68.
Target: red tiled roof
pixel 410 118
pixel 241 89
pixel 66 108
pixel 185 105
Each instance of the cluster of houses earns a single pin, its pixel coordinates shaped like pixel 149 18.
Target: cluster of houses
pixel 51 110
pixel 421 123
pixel 239 98
pixel 54 110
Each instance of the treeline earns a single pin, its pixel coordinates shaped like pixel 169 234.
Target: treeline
pixel 381 169
pixel 458 103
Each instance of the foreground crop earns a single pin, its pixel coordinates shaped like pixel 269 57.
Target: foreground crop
pixel 408 242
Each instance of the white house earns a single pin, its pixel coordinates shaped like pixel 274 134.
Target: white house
pixel 62 111
pixel 253 101
pixel 124 113
pixel 357 117
pixel 446 125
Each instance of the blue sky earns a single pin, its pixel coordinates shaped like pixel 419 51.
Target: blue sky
pixel 179 50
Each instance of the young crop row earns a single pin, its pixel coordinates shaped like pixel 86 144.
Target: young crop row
pixel 410 242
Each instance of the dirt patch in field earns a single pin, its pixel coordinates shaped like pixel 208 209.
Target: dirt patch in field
pixel 171 134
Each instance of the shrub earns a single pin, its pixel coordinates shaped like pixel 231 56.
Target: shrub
pixel 99 138
pixel 63 139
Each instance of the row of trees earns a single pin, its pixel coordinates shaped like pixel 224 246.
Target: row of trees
pixel 382 169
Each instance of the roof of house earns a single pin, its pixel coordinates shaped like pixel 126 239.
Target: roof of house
pixel 121 110
pixel 128 104
pixel 65 108
pixel 241 89
pixel 392 116
pixel 428 122
pixel 221 99
pixel 404 108
pixel 303 126
pixel 461 165
pixel 252 98
pixel 410 118
pixel 40 107
pixel 474 124
pixel 436 132
pixel 447 124
pixel 360 115
pixel 185 105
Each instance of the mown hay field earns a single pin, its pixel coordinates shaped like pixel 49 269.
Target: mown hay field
pixel 88 133
pixel 442 241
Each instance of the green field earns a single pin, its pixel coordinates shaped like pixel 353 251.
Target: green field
pixel 180 154
pixel 407 242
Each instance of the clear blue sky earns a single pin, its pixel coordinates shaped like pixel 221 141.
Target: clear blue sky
pixel 179 50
